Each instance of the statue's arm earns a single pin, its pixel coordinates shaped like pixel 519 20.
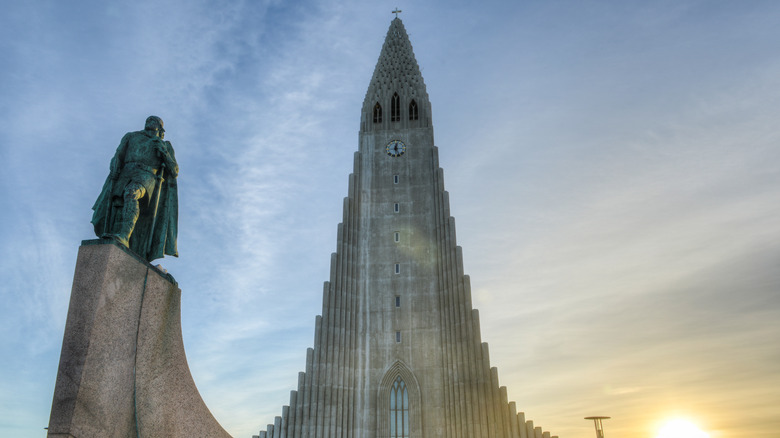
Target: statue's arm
pixel 172 168
pixel 118 162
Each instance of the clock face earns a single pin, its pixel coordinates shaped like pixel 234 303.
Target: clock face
pixel 395 148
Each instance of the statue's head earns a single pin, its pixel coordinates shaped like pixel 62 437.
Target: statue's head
pixel 155 124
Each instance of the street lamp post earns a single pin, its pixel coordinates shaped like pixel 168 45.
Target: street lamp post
pixel 599 427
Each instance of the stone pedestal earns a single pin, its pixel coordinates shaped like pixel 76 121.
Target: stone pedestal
pixel 123 371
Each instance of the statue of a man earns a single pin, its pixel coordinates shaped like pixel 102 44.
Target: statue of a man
pixel 139 204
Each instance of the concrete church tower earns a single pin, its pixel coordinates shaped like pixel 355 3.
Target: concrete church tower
pixel 397 351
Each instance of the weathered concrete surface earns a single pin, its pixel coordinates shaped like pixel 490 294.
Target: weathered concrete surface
pixel 122 367
pixel 93 395
pixel 167 402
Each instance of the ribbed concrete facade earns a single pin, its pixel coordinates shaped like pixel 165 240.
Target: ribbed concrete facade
pixel 397 350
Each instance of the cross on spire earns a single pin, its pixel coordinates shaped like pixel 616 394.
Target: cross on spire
pixel 397 11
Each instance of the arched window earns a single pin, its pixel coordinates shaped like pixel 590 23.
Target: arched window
pixel 398 403
pixel 377 113
pixel 395 108
pixel 413 110
pixel 399 409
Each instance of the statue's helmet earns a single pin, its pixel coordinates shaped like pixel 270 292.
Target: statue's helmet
pixel 154 122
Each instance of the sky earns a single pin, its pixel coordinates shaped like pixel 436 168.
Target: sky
pixel 613 169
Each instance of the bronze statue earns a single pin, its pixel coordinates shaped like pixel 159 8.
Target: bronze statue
pixel 139 204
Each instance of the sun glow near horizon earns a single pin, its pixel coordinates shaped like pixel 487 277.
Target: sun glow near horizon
pixel 680 428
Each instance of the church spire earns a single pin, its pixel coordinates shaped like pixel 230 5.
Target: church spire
pixel 396 96
pixel 397 350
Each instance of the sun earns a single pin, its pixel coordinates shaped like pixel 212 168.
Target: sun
pixel 681 429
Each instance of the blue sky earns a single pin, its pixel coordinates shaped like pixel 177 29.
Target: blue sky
pixel 613 168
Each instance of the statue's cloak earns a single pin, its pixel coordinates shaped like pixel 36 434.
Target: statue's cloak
pixel 107 210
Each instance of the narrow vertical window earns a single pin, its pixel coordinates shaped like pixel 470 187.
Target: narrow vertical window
pixel 397 301
pixel 396 208
pixel 399 408
pixel 413 110
pixel 395 108
pixel 397 236
pixel 398 337
pixel 377 113
pixel 397 268
pixel 395 179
